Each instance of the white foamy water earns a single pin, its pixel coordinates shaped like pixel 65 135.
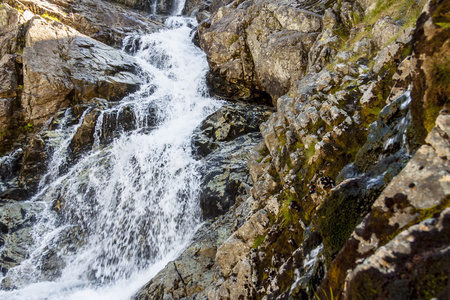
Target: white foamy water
pixel 130 206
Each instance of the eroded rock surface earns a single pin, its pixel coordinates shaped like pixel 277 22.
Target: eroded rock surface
pixel 258 47
pixel 104 21
pixel 61 66
pixel 223 141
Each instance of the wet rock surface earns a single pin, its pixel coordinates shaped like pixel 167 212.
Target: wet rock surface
pixel 230 122
pixel 160 7
pixel 15 235
pixel 52 67
pixel 225 175
pixel 223 141
pixel 193 273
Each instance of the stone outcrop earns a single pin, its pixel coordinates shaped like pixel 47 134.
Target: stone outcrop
pixel 61 66
pixel 9 73
pixel 223 141
pixel 106 22
pixel 199 9
pixel 258 53
pixel 414 205
pixel 9 29
pixel 430 45
pixel 54 39
pixel 160 7
pixel 392 230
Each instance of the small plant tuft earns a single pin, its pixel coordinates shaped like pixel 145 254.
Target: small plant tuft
pixel 49 17
pixel 27 128
pixel 258 241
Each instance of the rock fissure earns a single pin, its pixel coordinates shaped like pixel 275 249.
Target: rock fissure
pixel 178 272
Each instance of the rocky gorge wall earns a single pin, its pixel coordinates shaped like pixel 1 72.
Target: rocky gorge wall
pixel 348 196
pixel 327 177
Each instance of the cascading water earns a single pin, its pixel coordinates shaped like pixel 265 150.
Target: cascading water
pixel 128 207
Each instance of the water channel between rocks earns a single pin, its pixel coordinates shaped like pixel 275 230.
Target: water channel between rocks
pixel 130 206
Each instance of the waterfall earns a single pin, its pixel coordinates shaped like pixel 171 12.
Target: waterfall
pixel 128 207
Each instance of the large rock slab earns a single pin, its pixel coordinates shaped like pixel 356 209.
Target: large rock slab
pixel 104 21
pixel 64 67
pixel 9 28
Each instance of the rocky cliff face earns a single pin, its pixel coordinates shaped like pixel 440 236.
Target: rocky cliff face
pixel 339 190
pixel 258 47
pixel 350 178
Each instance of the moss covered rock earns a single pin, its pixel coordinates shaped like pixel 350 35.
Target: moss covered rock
pixel 420 192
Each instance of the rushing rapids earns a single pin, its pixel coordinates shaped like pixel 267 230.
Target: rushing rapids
pixel 129 206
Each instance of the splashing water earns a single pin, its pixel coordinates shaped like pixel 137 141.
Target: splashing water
pixel 130 206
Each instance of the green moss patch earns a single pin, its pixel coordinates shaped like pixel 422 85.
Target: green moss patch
pixel 441 90
pixel 258 241
pixel 405 11
pixel 341 212
pixel 441 16
pixel 279 244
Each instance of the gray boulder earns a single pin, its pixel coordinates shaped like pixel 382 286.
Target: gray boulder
pixel 62 67
pixel 104 21
pixel 224 141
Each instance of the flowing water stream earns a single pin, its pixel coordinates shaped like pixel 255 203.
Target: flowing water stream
pixel 130 206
